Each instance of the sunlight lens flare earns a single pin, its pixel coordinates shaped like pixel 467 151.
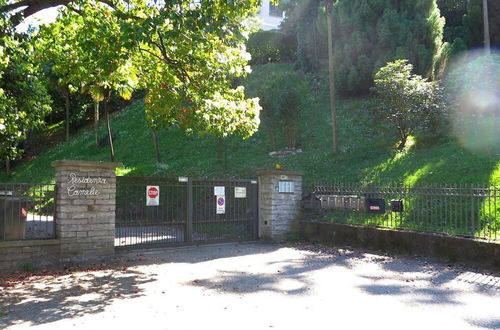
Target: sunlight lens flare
pixel 473 90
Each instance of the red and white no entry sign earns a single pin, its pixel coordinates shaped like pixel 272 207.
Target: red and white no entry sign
pixel 153 195
pixel 221 204
pixel 24 212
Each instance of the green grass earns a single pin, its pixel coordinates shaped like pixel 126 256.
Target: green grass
pixel 367 154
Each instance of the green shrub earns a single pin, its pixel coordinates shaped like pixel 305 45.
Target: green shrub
pixel 271 46
pixel 281 92
pixel 408 103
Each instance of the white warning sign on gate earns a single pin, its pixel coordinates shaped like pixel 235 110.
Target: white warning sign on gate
pixel 152 195
pixel 240 192
pixel 219 191
pixel 221 204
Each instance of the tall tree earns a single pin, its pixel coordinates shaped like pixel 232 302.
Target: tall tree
pixel 24 101
pixel 487 42
pixel 90 39
pixel 187 55
pixel 369 33
pixel 333 105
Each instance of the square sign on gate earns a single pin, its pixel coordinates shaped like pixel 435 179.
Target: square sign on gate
pixel 152 195
pixel 219 191
pixel 221 204
pixel 240 192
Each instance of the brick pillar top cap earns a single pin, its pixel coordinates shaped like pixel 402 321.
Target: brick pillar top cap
pixel 279 172
pixel 85 164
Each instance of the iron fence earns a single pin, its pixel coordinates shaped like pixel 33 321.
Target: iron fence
pixel 463 210
pixel 27 211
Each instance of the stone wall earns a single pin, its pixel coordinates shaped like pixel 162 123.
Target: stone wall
pixel 39 253
pixel 85 209
pixel 278 212
pixel 84 216
pixel 448 248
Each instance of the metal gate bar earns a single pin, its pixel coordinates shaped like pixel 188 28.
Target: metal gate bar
pixel 186 214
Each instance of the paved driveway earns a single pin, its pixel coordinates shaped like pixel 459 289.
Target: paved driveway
pixel 257 286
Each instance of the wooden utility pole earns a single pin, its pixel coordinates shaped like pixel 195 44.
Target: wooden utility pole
pixel 67 105
pixel 96 123
pixel 487 42
pixel 333 106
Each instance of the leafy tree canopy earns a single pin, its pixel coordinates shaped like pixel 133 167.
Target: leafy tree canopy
pixel 23 97
pixel 184 54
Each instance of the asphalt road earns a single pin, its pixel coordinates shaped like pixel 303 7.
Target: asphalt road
pixel 257 286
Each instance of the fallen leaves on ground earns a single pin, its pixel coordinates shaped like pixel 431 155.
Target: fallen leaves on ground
pixel 23 277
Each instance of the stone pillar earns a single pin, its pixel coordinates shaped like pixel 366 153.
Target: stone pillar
pixel 280 195
pixel 85 209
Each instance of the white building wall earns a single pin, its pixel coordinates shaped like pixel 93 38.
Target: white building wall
pixel 268 22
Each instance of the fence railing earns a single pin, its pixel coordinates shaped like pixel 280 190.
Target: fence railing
pixel 463 210
pixel 27 211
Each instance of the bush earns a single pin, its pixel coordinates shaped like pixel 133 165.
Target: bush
pixel 281 91
pixel 271 46
pixel 408 103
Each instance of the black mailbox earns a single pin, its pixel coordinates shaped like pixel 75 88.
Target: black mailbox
pixel 375 205
pixel 397 205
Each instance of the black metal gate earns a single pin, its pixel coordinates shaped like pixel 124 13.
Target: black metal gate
pixel 27 211
pixel 188 212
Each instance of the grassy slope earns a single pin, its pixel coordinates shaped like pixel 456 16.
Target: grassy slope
pixel 367 155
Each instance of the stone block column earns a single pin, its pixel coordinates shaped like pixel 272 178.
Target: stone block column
pixel 85 209
pixel 280 195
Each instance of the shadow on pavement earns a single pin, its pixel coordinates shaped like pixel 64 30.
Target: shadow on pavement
pixel 52 298
pixel 46 299
pixel 487 324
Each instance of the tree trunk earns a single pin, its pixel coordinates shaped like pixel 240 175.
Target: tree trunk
pixel 96 123
pixel 402 144
pixel 7 166
pixel 156 145
pixel 110 136
pixel 273 140
pixel 487 42
pixel 316 48
pixel 291 134
pixel 403 134
pixel 219 149
pixel 333 106
pixel 225 154
pixel 66 97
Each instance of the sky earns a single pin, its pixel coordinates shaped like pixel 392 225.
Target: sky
pixel 49 15
pixel 42 17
